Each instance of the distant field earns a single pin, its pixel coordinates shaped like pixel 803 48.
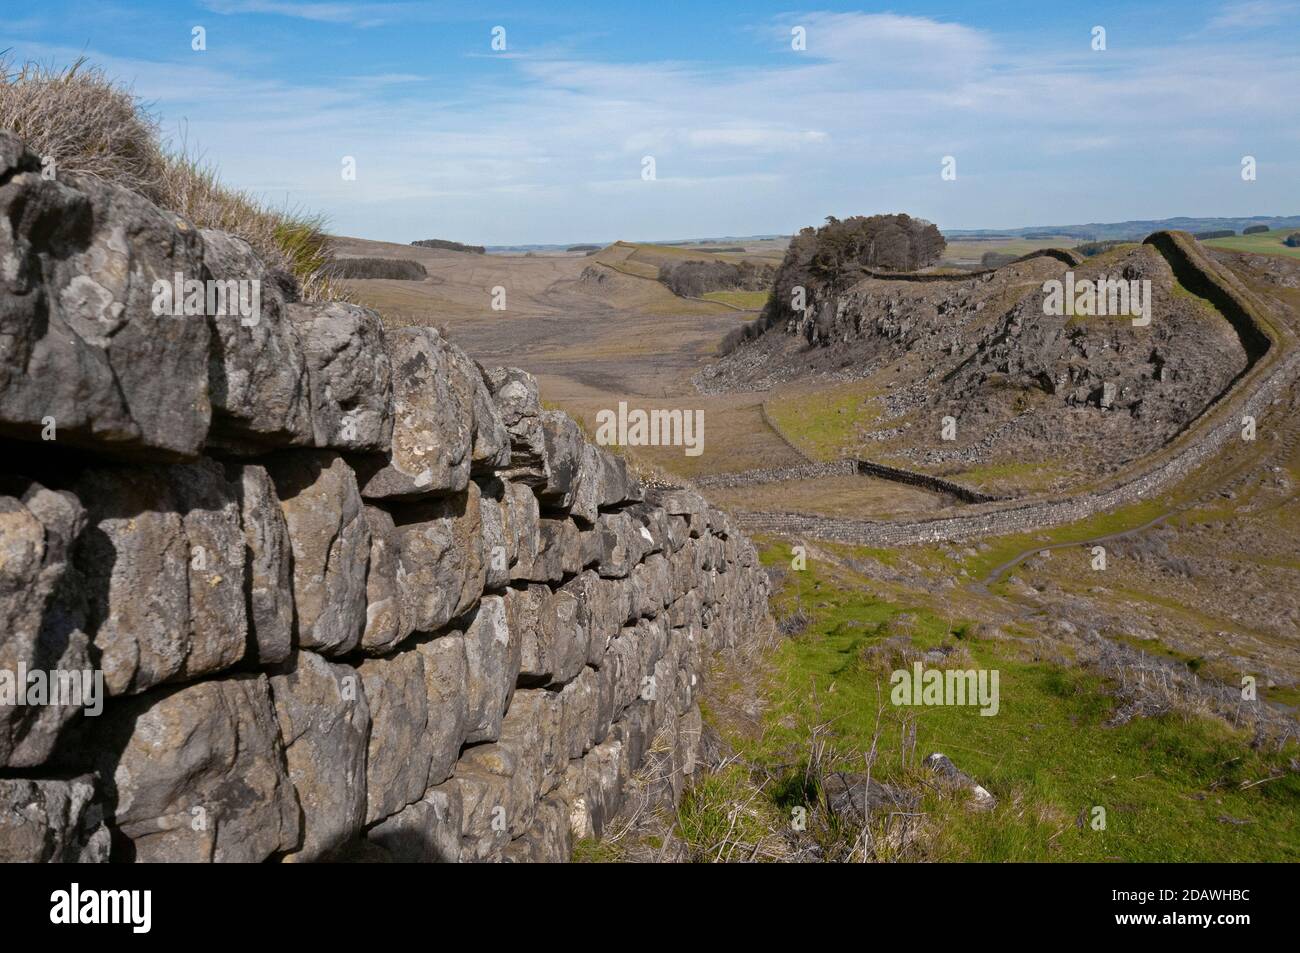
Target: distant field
pixel 749 300
pixel 1261 243
pixel 967 251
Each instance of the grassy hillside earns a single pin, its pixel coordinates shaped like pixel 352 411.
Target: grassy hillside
pixel 1261 243
pixel 1174 788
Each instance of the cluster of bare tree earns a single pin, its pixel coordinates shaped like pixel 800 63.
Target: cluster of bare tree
pixel 690 279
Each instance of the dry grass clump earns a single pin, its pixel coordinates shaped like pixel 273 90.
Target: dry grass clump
pixel 87 123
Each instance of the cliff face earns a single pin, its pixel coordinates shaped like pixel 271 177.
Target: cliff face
pixel 344 590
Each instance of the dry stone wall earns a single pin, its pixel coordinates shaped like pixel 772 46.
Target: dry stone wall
pixel 1275 366
pixel 349 593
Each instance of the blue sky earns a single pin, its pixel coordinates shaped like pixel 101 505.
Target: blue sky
pixel 544 142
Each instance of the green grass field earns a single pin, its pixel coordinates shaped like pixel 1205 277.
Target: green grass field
pixel 1174 788
pixel 1261 243
pixel 749 300
pixel 824 423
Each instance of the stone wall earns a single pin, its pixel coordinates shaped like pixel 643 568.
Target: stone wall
pixel 1274 366
pixel 349 593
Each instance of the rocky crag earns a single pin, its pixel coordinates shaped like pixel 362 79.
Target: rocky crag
pixel 348 593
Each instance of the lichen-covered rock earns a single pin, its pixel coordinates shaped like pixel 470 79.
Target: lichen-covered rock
pixel 551 632
pixel 349 375
pixel 52 821
pixel 559 552
pixel 197 773
pixel 604 481
pixel 331 548
pixel 257 372
pixel 433 420
pixel 441 572
pixel 426 832
pixel 564 443
pixel 397 763
pixel 621 544
pixel 386 624
pixel 269 560
pixel 42 614
pixel 446 675
pixel 492 656
pixel 163 558
pixel 500 548
pixel 324 723
pixel 491 444
pixel 85 351
pixel 522 517
pixel 515 394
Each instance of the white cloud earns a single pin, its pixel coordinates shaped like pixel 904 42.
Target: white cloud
pixel 858 122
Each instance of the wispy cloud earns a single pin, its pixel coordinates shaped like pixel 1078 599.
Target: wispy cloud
pixel 857 122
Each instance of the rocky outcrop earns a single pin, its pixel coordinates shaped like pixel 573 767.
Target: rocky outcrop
pixel 323 591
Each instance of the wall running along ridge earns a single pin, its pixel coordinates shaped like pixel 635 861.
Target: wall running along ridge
pixel 350 593
pixel 845 466
pixel 1272 368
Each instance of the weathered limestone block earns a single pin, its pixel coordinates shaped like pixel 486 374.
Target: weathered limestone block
pixel 491 440
pixel 603 481
pixel 594 788
pixel 635 730
pixel 650 583
pixel 625 663
pixel 498 536
pixel 515 394
pixel 56 822
pixel 446 677
pixel 558 553
pixel 324 724
pixel 331 548
pixel 490 802
pixel 683 570
pixel 621 544
pixel 492 657
pixel 564 449
pixel 600 611
pixel 530 748
pixel 523 518
pixel 580 714
pixel 551 633
pixel 433 420
pixel 349 375
pixel 197 773
pixel 42 614
pixel 441 574
pixel 163 559
pixel 679 533
pixel 548 839
pixel 652 527
pixel 681 502
pixel 268 555
pixel 400 749
pixel 686 610
pixel 257 372
pixel 386 624
pixel 426 832
pixel 85 349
